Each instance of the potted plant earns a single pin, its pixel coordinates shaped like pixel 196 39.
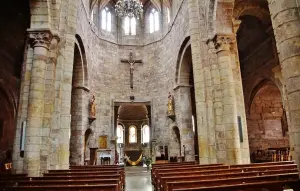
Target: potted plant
pixel 147 160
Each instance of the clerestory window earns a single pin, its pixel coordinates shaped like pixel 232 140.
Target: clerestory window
pixel 106 19
pixel 154 21
pixel 130 26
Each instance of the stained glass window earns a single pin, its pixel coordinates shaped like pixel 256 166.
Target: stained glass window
pixel 154 21
pixel 146 134
pixel 132 134
pixel 106 19
pixel 120 134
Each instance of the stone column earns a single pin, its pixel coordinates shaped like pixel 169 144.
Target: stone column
pixel 228 131
pixel 285 18
pixel 40 41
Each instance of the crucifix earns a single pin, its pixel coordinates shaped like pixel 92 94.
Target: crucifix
pixel 131 62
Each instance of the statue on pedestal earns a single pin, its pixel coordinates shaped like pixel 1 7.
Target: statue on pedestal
pixel 171 111
pixel 92 109
pixel 92 114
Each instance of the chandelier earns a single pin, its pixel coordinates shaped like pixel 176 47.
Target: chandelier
pixel 130 8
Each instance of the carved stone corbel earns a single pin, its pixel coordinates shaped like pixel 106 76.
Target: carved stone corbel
pixel 40 38
pixel 223 42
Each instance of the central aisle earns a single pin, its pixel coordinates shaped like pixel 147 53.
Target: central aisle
pixel 137 179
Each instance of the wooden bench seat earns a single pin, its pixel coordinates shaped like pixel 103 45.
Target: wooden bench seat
pixel 262 169
pixel 230 181
pixel 162 173
pixel 277 185
pixel 98 187
pixel 163 181
pixel 63 182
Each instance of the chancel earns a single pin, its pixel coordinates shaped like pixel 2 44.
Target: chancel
pixel 176 94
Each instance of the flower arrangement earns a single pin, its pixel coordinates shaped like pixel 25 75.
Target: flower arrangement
pixel 147 160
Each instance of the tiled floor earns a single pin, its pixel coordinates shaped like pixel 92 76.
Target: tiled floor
pixel 137 179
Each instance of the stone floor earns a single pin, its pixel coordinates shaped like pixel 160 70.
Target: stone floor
pixel 137 179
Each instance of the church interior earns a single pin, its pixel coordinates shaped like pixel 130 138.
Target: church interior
pixel 134 90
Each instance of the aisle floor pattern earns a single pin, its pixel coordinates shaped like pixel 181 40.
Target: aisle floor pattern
pixel 137 179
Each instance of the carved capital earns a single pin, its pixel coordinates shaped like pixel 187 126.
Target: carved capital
pixel 40 38
pixel 223 42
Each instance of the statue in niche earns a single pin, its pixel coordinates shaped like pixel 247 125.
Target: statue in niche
pixel 171 111
pixel 92 108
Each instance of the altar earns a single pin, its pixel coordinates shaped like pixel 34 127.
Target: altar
pixel 103 157
pixel 135 157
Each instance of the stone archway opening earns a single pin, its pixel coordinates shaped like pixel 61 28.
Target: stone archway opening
pixel 175 144
pixel 267 126
pixel 87 138
pixel 186 103
pixel 258 60
pixel 15 20
pixel 79 105
pixel 132 121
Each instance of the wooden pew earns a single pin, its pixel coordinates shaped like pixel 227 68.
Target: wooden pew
pixel 171 186
pixel 286 166
pixel 93 166
pixel 256 186
pixel 156 171
pixel 91 171
pixel 178 165
pixel 221 175
pixel 99 187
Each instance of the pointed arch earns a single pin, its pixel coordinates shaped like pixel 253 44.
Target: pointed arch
pixel 84 79
pixel 180 68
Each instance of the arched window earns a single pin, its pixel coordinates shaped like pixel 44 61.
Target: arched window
pixel 145 134
pixel 154 21
pixel 168 15
pixel 132 134
pixel 130 26
pixel 120 134
pixel 106 19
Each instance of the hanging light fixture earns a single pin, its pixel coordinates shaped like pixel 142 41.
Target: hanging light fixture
pixel 130 8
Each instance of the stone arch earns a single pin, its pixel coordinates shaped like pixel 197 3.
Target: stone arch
pixel 256 89
pixel 15 16
pixel 178 75
pixel 83 68
pixel 175 142
pixel 253 9
pixel 185 96
pixel 79 104
pixel 87 136
pixel 266 121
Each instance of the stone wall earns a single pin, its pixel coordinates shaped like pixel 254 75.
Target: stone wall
pixel 159 62
pixel 264 122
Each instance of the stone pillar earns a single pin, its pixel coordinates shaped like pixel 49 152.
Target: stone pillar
pixel 40 41
pixel 228 131
pixel 285 18
pixel 185 123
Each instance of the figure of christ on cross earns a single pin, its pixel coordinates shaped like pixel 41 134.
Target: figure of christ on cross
pixel 131 62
